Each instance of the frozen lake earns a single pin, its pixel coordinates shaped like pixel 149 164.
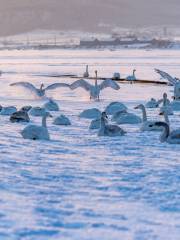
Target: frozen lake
pixel 80 186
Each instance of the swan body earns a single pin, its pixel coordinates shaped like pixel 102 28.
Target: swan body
pixel 35 132
pixel 114 107
pixel 51 105
pixel 8 110
pixel 37 111
pixel 109 130
pixel 152 103
pixel 131 77
pixel 167 136
pixel 126 118
pixel 116 76
pixel 166 106
pixel 86 73
pixel 175 105
pixel 62 120
pixel 39 92
pixel 94 90
pixel 90 113
pixel 19 116
pixel 147 125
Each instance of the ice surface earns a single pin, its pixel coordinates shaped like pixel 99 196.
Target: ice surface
pixel 78 185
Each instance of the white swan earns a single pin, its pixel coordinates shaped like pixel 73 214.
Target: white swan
pixel 62 120
pixel 109 130
pixel 8 110
pixel 39 92
pixel 86 73
pixel 19 116
pixel 37 111
pixel 167 136
pixel 123 117
pixel 51 105
pixel 94 90
pixel 152 103
pixel 92 113
pixel 146 124
pixel 174 81
pixel 132 77
pixel 35 132
pixel 166 106
pixel 114 107
pixel 116 76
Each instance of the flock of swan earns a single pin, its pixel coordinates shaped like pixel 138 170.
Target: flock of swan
pixel 99 120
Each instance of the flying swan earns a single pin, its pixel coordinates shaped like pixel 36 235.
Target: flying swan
pixel 94 90
pixel 39 92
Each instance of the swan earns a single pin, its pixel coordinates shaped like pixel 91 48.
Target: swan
pixel 123 117
pixel 37 111
pixel 8 110
pixel 86 73
pixel 91 113
pixel 19 116
pixel 174 81
pixel 39 92
pixel 35 132
pixel 51 105
pixel 114 107
pixel 107 129
pixel 152 103
pixel 167 136
pixel 146 124
pixel 94 90
pixel 132 77
pixel 62 120
pixel 166 106
pixel 116 76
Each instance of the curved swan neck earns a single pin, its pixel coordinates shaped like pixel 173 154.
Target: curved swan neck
pixel 166 118
pixel 41 87
pixel 144 113
pixel 44 124
pixel 165 132
pixel 134 73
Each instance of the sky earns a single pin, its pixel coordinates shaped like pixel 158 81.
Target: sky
pixel 18 16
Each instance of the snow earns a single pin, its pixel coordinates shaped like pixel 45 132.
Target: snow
pixel 79 185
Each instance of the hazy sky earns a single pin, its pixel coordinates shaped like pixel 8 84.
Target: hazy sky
pixel 24 15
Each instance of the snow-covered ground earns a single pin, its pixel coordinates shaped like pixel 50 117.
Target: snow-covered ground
pixel 78 185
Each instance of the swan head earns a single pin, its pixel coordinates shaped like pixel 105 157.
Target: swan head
pixel 42 85
pixel 104 115
pixel 165 95
pixel 134 70
pixel 140 106
pixel 47 114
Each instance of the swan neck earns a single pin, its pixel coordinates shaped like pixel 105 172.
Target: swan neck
pixel 44 124
pixel 144 114
pixel 166 118
pixel 165 133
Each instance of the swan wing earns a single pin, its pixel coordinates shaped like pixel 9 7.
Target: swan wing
pixel 109 83
pixel 26 85
pixel 81 83
pixel 56 85
pixel 166 76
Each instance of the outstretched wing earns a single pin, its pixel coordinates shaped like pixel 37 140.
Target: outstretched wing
pixel 109 83
pixel 166 76
pixel 26 85
pixel 81 83
pixel 56 85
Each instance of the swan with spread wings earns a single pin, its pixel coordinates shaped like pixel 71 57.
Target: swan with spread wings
pixel 39 92
pixel 94 90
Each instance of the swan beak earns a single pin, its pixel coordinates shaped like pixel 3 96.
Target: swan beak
pixel 161 113
pixel 50 116
pixel 136 107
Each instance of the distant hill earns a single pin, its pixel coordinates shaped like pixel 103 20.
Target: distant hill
pixel 25 15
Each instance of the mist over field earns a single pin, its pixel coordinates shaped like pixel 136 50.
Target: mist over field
pixel 26 15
